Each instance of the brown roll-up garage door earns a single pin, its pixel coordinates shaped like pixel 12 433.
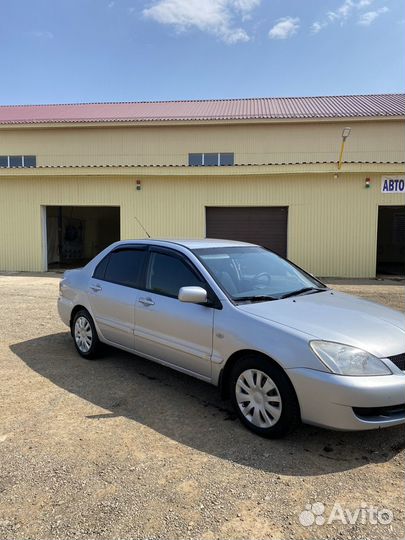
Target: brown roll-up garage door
pixel 264 225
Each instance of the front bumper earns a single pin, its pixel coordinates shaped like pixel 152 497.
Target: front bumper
pixel 339 402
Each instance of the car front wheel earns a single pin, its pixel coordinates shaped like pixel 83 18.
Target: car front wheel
pixel 85 335
pixel 263 397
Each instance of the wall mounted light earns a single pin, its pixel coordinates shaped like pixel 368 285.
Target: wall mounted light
pixel 367 183
pixel 345 133
pixel 138 185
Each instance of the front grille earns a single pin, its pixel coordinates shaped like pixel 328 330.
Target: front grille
pixel 398 360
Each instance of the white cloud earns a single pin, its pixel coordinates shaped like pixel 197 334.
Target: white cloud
pixel 246 5
pixel 285 28
pixel 370 16
pixel 235 35
pixel 317 26
pixel 345 9
pixel 344 12
pixel 245 8
pixel 216 17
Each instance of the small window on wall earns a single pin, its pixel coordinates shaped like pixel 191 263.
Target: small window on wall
pixel 29 161
pixel 211 159
pixel 18 161
pixel 226 159
pixel 195 160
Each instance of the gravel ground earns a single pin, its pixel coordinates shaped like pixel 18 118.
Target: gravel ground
pixel 122 448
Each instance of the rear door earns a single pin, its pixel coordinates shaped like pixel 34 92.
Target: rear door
pixel 167 330
pixel 113 293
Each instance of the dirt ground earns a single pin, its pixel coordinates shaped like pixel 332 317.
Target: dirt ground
pixel 122 448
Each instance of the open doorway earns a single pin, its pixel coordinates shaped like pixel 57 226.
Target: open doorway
pixel 75 234
pixel 391 240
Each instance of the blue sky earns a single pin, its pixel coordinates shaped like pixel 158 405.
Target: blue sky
pixel 61 51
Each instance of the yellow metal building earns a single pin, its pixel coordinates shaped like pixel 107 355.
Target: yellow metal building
pixel 74 178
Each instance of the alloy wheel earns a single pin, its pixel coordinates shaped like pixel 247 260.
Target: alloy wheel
pixel 83 334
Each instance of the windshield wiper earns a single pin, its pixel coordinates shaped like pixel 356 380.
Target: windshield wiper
pixel 303 291
pixel 255 298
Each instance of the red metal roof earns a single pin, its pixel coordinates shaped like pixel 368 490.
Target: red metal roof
pixel 379 105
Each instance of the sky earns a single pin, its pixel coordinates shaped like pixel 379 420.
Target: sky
pixel 72 51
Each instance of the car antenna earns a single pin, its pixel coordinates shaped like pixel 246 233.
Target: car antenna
pixel 143 228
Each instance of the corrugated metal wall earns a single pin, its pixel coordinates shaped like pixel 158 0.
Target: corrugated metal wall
pixel 370 141
pixel 332 224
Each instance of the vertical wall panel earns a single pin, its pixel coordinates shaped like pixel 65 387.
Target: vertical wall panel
pixel 252 143
pixel 332 224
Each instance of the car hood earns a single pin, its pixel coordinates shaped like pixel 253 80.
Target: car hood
pixel 339 317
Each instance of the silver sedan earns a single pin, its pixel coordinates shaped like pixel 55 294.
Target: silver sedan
pixel 279 343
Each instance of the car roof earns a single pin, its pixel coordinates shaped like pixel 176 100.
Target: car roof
pixel 189 243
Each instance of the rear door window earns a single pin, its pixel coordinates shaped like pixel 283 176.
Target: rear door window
pixel 125 267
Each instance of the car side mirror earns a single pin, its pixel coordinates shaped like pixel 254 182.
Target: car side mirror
pixel 193 295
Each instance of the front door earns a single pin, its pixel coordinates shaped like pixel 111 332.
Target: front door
pixel 170 331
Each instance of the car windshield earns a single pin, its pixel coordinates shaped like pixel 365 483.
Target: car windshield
pixel 253 273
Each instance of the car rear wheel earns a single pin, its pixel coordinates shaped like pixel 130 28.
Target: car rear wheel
pixel 263 397
pixel 85 335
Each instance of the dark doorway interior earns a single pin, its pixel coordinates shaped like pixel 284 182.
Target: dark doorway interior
pixel 391 240
pixel 75 234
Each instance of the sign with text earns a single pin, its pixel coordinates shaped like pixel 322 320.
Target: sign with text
pixel 393 184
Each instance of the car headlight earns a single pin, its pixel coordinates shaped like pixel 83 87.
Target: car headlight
pixel 346 360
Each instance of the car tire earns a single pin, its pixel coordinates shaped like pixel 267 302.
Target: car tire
pixel 85 336
pixel 263 397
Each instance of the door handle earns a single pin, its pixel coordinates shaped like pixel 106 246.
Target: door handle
pixel 146 301
pixel 96 288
